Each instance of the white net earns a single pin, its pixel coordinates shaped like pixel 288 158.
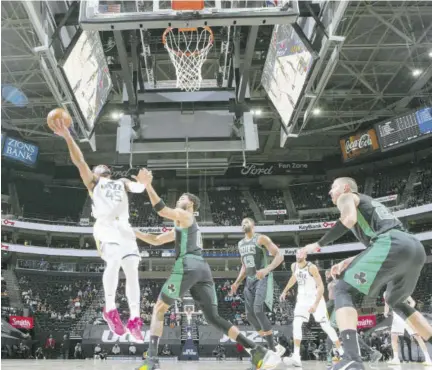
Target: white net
pixel 188 49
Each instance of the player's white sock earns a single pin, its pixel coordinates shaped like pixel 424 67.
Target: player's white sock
pixel 296 351
pixel 130 268
pixel 110 283
pixel 395 356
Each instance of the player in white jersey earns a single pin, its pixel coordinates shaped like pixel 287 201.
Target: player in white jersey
pixel 114 235
pixel 310 301
pixel 398 329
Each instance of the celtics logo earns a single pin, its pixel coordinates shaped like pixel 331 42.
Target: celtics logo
pixel 171 288
pixel 360 278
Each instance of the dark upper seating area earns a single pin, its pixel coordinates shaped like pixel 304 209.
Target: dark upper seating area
pixel 389 182
pixel 141 210
pixel 229 207
pixel 270 200
pixel 311 195
pixel 55 203
pixel 422 190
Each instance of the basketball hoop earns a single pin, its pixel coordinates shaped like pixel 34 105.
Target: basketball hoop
pixel 188 49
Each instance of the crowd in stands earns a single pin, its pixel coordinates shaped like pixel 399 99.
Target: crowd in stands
pixel 229 205
pixel 60 203
pixel 57 301
pixel 270 200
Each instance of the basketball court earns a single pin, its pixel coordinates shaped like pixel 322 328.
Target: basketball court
pixel 166 365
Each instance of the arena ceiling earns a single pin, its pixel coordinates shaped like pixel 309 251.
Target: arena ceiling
pixel 382 68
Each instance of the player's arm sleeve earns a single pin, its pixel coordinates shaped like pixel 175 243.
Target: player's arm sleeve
pixel 133 186
pixel 153 239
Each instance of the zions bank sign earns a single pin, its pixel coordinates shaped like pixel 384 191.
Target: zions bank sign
pixel 20 151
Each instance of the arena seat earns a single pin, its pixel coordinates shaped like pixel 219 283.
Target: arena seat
pixel 229 207
pixel 270 200
pixel 50 203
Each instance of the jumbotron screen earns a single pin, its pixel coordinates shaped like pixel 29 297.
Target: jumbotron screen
pixel 87 73
pixel 286 70
pixel 405 129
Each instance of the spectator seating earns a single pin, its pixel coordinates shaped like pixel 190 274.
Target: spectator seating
pixel 229 207
pixel 270 200
pixel 141 211
pixel 389 182
pixel 422 191
pixel 52 203
pixel 311 195
pixel 57 301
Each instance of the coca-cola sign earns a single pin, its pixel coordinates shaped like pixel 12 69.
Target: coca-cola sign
pixel 21 322
pixel 363 142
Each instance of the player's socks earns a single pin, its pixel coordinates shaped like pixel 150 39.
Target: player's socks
pixel 153 346
pixel 246 343
pixel 270 341
pixel 351 345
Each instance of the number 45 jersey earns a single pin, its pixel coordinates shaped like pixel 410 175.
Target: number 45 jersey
pixel 253 256
pixel 111 211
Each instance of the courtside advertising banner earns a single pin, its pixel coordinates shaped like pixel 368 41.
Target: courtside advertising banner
pixel 359 144
pixel 275 212
pixel 21 322
pixel 366 322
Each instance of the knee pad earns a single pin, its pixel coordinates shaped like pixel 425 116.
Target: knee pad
pixel 212 316
pixel 328 329
pixel 403 309
pixel 297 328
pixel 343 296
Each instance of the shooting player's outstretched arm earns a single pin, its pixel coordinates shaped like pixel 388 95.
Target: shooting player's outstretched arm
pixel 176 214
pixel 76 155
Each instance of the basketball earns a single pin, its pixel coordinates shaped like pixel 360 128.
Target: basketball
pixel 58 113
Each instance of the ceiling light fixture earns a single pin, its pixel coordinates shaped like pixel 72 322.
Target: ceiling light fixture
pixel 417 72
pixel 316 111
pixel 116 115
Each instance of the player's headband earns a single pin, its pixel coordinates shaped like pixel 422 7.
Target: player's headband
pixel 102 170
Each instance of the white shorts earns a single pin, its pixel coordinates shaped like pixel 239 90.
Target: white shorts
pixel 399 326
pixel 304 304
pixel 115 239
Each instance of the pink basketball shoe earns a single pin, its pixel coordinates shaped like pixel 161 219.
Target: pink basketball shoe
pixel 134 328
pixel 114 322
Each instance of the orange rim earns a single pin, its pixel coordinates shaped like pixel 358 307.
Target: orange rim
pixel 186 29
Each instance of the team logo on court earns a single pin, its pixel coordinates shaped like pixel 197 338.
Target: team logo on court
pixel 361 278
pixel 171 288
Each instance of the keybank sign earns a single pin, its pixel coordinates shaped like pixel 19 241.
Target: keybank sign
pixel 20 151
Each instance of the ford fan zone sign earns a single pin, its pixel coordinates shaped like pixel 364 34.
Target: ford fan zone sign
pixel 21 322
